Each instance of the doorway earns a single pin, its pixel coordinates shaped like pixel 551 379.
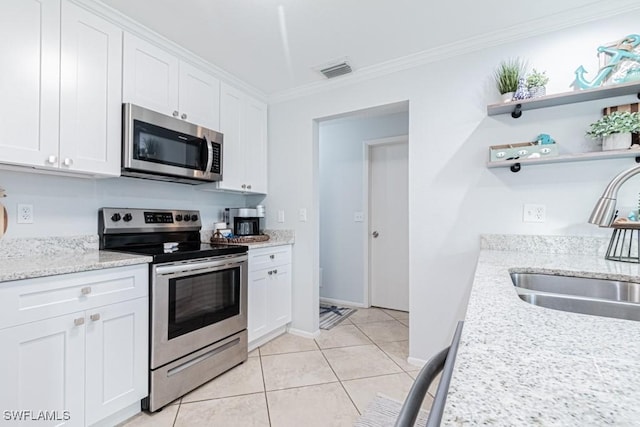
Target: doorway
pixel 388 225
pixel 343 198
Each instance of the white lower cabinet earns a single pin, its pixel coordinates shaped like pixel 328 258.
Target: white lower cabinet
pixel 269 293
pixel 80 367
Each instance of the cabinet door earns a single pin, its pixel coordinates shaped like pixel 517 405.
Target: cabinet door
pixel 254 137
pixel 116 357
pixel 279 296
pixel 29 47
pixel 150 76
pixel 90 97
pixel 233 161
pixel 42 368
pixel 199 97
pixel 257 304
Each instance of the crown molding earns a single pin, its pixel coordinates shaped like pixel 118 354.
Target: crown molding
pixel 536 27
pixel 127 24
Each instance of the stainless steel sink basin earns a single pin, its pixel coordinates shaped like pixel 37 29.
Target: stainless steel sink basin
pixel 598 297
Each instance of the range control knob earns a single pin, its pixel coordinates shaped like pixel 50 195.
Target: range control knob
pixel 115 217
pixel 187 217
pixel 127 217
pixel 178 217
pixel 194 217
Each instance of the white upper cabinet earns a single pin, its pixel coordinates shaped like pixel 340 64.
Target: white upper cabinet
pixel 90 96
pixel 65 91
pixel 155 79
pixel 150 76
pixel 29 54
pixel 199 97
pixel 243 121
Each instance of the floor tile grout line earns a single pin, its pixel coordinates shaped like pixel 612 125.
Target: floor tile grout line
pixel 380 348
pixel 264 387
pixel 340 381
pixel 222 397
pixel 175 419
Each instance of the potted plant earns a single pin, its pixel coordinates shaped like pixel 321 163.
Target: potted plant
pixel 536 82
pixel 615 129
pixel 507 75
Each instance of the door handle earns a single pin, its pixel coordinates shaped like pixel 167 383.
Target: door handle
pixel 375 234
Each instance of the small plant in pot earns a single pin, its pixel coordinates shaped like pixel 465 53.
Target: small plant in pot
pixel 507 75
pixel 536 82
pixel 615 129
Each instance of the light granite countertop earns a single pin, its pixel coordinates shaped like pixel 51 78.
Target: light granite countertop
pixel 520 365
pixel 38 257
pixel 276 238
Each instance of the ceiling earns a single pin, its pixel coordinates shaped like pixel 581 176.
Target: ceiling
pixel 278 45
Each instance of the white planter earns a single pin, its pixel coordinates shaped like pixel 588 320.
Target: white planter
pixel 616 141
pixel 507 97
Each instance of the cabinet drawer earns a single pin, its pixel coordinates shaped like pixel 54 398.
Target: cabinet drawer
pixel 24 301
pixel 269 257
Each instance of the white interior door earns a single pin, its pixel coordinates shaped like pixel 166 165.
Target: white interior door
pixel 388 226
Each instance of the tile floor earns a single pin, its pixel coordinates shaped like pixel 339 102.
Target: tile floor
pixel 294 381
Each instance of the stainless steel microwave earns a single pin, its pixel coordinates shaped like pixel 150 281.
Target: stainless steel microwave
pixel 156 146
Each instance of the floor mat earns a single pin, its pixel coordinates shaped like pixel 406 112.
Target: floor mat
pixel 383 412
pixel 331 315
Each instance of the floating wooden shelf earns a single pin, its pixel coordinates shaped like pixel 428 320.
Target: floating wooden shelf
pixel 516 164
pixel 517 107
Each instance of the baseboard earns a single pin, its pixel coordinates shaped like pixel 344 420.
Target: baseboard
pixel 304 334
pixel 120 416
pixel 418 363
pixel 266 338
pixel 342 302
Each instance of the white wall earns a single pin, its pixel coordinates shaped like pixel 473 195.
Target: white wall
pixel 341 186
pixel 68 206
pixel 453 197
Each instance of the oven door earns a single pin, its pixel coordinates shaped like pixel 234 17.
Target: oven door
pixel 196 303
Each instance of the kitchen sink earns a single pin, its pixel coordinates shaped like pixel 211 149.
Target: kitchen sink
pixel 598 297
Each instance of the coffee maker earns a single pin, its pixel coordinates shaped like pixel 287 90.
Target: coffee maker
pixel 245 221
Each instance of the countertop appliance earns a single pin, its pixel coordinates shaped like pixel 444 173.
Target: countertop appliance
pixel 244 221
pixel 155 146
pixel 197 294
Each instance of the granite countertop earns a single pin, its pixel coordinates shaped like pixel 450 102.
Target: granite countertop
pixel 519 364
pixel 38 257
pixel 276 238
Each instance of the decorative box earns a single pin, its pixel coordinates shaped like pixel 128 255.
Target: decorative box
pixel 521 150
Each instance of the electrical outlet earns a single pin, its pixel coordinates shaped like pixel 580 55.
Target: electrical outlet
pixel 534 213
pixel 25 214
pixel 302 215
pixel 280 216
pixel 358 216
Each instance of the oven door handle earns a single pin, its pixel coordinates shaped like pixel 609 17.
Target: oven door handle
pixel 199 266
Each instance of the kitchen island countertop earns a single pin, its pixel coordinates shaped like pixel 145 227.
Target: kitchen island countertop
pixel 519 364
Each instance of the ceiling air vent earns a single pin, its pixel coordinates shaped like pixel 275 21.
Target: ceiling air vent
pixel 336 70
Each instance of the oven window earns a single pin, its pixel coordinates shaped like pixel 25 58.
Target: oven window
pixel 159 145
pixel 201 300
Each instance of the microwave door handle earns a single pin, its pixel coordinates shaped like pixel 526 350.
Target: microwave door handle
pixel 209 156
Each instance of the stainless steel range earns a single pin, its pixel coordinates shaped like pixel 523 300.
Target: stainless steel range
pixel 198 297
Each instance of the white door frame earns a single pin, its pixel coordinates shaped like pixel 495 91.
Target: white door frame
pixel 368 144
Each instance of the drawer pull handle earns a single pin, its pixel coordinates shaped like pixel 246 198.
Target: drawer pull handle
pixel 275 271
pixel 86 290
pixel 95 317
pixel 270 272
pixel 272 256
pixel 79 321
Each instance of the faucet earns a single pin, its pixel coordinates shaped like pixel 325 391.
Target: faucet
pixel 604 212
